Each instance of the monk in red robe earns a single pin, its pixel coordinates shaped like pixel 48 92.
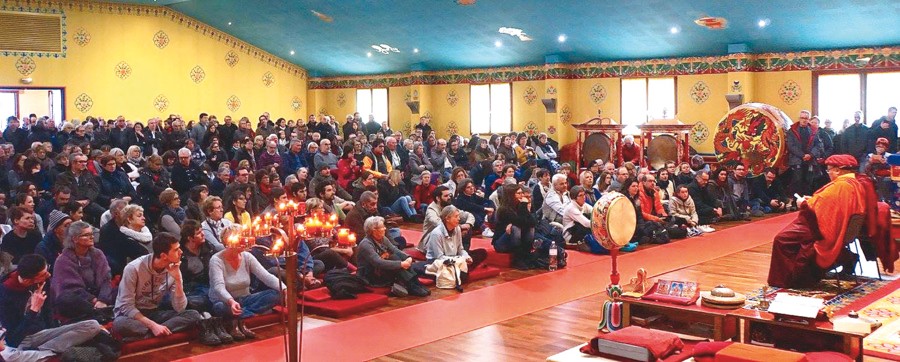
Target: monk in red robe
pixel 811 245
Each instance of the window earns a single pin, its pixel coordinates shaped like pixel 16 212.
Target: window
pixel 372 102
pixel 644 99
pixel 491 107
pixel 839 95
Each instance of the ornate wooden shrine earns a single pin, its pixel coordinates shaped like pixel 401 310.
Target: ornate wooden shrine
pixel 598 138
pixel 664 140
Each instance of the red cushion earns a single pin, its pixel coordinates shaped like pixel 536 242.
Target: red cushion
pixel 316 295
pixel 338 308
pixel 157 342
pixel 498 259
pixel 415 254
pixel 351 267
pixel 827 357
pixel 483 272
pixel 426 281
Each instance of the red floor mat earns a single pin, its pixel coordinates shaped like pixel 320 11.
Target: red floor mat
pixel 339 308
pixel 487 306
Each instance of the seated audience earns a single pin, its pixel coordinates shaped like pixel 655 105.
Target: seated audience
pixel 683 211
pixel 441 198
pixel 214 222
pixel 52 244
pixel 23 238
pixel 393 195
pixel 556 199
pixel 709 209
pixel 173 215
pixel 445 241
pixel 576 222
pixel 422 192
pixel 82 284
pixel 470 199
pixel 26 315
pixel 768 194
pixel 515 228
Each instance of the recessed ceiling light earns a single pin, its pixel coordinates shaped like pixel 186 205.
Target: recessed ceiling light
pixel 762 23
pixel 498 43
pixel 415 50
pixel 292 52
pixel 369 54
pixel 229 23
pixel 561 38
pixel 674 30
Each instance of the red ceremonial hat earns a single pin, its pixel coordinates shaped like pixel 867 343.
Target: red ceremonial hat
pixel 841 161
pixel 881 141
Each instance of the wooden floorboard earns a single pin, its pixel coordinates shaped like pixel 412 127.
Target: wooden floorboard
pixel 535 336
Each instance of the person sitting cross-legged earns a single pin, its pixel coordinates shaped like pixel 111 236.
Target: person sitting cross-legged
pixel 82 285
pixel 142 309
pixel 382 264
pixel 26 316
pixel 229 286
pixel 444 244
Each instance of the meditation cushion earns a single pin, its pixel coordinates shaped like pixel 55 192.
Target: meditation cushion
pixel 483 272
pixel 415 254
pixel 344 307
pixel 749 353
pixel 499 260
pixel 316 295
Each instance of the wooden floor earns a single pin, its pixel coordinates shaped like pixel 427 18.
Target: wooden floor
pixel 535 336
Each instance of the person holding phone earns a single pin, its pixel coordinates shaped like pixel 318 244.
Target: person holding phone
pixel 27 317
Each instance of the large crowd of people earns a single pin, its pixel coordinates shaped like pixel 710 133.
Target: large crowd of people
pixel 128 223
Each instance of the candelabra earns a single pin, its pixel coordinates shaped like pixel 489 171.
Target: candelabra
pixel 287 234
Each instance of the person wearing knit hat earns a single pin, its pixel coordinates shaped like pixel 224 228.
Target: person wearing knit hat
pixel 51 245
pixel 814 242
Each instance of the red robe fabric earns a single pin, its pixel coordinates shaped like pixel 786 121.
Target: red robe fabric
pixel 631 154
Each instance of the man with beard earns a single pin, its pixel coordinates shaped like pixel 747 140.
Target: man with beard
pixel 366 207
pixel 375 161
pixel 443 198
pixel 241 179
pixel 84 186
pixel 324 175
pixel 325 191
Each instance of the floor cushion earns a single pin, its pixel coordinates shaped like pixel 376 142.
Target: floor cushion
pixel 499 260
pixel 338 308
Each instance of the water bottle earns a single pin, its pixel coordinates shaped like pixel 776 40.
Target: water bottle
pixel 553 256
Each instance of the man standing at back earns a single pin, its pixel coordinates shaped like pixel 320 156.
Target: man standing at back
pixel 886 127
pixel 804 149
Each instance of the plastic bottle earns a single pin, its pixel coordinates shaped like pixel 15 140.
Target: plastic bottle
pixel 553 256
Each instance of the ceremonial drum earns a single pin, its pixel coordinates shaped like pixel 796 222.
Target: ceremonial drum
pixel 753 134
pixel 596 146
pixel 662 148
pixel 613 220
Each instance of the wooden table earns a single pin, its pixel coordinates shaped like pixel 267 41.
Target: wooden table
pixel 851 343
pixel 725 327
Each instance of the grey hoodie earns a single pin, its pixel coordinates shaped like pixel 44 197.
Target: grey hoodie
pixel 143 288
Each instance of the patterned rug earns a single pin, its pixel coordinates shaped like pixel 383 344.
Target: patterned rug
pixel 885 341
pixel 835 296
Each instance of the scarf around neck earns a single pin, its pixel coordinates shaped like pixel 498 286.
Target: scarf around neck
pixel 144 236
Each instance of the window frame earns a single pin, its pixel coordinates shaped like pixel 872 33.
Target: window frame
pixel 387 105
pixel 647 95
pixel 490 110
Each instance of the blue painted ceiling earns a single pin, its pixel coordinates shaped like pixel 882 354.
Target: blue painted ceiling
pixel 452 36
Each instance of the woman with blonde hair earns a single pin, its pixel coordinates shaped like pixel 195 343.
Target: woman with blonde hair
pixel 393 195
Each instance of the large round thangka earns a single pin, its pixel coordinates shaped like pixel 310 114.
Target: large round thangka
pixel 753 134
pixel 613 220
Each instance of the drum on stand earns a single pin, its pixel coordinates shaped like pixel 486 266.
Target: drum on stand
pixel 613 220
pixel 596 146
pixel 662 148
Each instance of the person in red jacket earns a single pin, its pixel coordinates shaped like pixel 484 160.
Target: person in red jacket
pixel 422 192
pixel 651 200
pixel 348 168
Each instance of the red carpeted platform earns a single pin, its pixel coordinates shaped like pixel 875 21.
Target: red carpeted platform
pixel 487 306
pixel 185 336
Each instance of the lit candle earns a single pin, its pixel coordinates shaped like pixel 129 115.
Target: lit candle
pixel 343 236
pixel 351 239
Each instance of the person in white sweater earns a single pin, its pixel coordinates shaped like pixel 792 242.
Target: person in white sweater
pixel 683 211
pixel 229 286
pixel 575 225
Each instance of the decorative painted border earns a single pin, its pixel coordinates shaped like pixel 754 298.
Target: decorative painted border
pixel 879 58
pixel 60 6
pixel 26 7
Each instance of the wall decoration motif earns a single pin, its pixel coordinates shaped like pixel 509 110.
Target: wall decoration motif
pixel 407 128
pixel 81 37
pixel 83 102
pixel 407 97
pixel 341 99
pixel 123 70
pixel 551 130
pixel 415 95
pixel 598 93
pixel 566 115
pixel 161 103
pixel 296 104
pixel 25 65
pixel 699 133
pixel 231 58
pixel 531 129
pixel 737 87
pixel 427 114
pixel 789 92
pixel 198 74
pixel 452 98
pixel 452 129
pixel 551 91
pixel 233 103
pixel 323 110
pixel 700 92
pixel 268 79
pixel 530 95
pixel 161 39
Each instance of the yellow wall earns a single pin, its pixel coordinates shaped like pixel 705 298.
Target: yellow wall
pixel 697 109
pixel 89 69
pixel 767 88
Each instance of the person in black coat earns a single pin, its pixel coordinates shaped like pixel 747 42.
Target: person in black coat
pixel 709 209
pixel 114 183
pixel 118 136
pixel 767 193
pixel 886 127
pixel 15 135
pixel 186 174
pixel 515 227
pixel 154 138
pixel 118 248
pixel 855 139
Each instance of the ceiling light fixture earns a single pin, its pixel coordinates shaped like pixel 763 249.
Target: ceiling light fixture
pixel 369 54
pixel 674 30
pixel 762 23
pixel 322 17
pixel 498 43
pixel 561 38
pixel 229 23
pixel 415 50
pixel 385 49
pixel 292 52
pixel 465 2
pixel 712 22
pixel 515 32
